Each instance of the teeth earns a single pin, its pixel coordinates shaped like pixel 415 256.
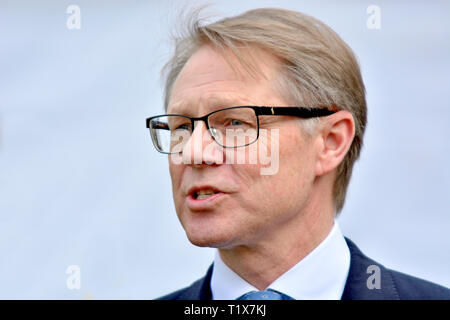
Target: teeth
pixel 202 194
pixel 200 197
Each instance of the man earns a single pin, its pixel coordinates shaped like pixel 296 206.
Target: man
pixel 279 83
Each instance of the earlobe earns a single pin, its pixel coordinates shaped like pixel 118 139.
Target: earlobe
pixel 336 139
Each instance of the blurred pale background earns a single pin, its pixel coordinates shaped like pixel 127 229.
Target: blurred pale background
pixel 80 183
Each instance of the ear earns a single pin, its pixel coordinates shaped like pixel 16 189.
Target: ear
pixel 335 138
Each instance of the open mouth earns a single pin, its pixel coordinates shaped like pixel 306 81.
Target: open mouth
pixel 203 194
pixel 204 198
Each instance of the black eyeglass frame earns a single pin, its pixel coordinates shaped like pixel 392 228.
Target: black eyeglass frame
pixel 301 112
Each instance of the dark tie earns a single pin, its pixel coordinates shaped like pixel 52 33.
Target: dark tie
pixel 264 295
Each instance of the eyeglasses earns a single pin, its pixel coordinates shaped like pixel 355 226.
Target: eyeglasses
pixel 231 127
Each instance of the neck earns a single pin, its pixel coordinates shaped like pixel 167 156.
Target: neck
pixel 262 263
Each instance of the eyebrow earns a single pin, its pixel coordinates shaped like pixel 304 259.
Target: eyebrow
pixel 214 102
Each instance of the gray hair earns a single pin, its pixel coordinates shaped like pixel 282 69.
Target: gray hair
pixel 316 66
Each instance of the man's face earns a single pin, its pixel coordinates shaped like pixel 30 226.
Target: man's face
pixel 247 206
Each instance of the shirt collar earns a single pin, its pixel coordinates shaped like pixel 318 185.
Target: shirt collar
pixel 321 275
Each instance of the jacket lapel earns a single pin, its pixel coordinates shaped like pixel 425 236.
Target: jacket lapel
pixel 200 289
pixel 359 285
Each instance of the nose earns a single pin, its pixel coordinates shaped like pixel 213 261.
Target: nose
pixel 201 148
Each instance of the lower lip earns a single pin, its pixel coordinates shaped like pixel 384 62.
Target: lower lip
pixel 203 204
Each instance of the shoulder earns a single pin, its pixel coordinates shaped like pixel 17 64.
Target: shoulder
pixel 392 285
pixel 176 295
pixel 199 290
pixel 412 288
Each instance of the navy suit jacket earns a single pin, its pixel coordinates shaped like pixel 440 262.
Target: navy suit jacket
pixel 393 285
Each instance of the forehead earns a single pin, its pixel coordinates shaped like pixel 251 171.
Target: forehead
pixel 212 78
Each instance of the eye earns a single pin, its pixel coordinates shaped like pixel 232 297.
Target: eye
pixel 235 122
pixel 185 126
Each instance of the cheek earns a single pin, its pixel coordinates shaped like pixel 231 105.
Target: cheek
pixel 296 164
pixel 287 153
pixel 176 172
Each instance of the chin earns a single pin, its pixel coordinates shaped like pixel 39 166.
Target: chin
pixel 215 229
pixel 211 240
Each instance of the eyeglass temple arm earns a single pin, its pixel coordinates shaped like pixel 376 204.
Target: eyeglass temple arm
pixel 293 111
